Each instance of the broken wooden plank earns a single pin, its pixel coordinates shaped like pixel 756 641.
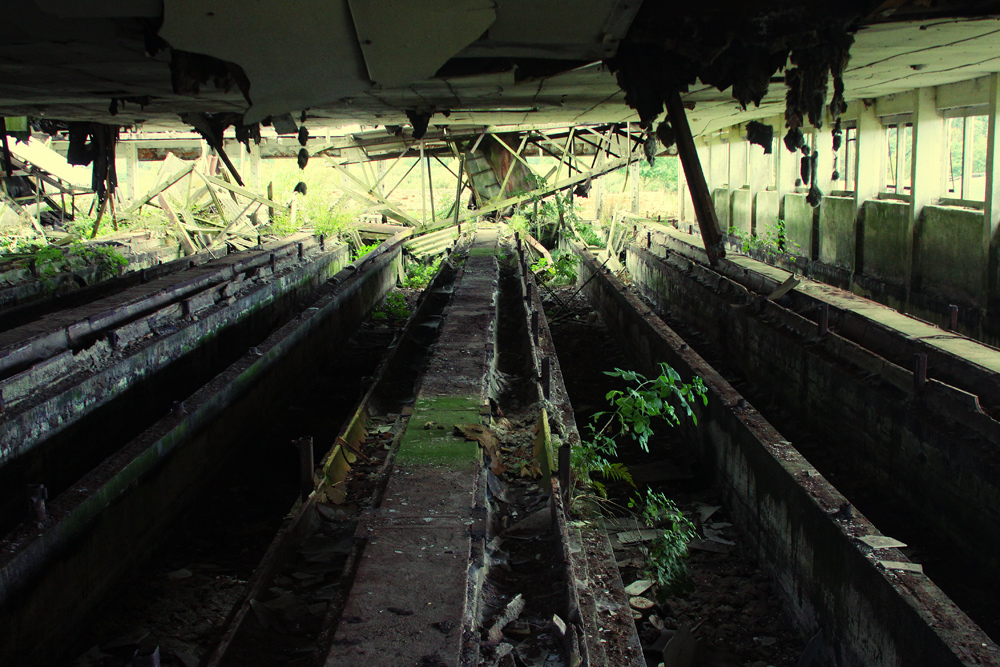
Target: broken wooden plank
pixel 100 214
pixel 138 203
pixel 400 215
pixel 243 192
pixel 541 192
pixel 186 242
pixel 538 247
pixel 700 195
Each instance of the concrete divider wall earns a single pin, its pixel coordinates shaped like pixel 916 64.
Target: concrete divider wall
pixel 799 228
pixel 720 199
pixel 838 232
pixel 949 258
pixel 783 506
pixel 868 250
pixel 742 217
pixel 885 240
pixel 767 208
pixel 893 445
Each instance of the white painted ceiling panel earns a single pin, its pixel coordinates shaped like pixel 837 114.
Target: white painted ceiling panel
pixel 297 54
pixel 405 41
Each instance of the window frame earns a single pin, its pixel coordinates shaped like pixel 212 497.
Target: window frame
pixel 968 128
pixel 849 171
pixel 899 122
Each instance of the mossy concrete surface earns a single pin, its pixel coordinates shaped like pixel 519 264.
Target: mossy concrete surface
pixel 720 199
pixel 798 217
pixel 837 232
pixel 767 208
pixel 430 437
pixel 885 243
pixel 950 259
pixel 742 211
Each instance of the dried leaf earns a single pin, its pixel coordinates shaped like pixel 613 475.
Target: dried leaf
pixel 488 441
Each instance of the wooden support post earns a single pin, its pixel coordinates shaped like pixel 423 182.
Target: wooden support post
pixel 270 195
pixel 430 188
pixel 423 186
pixel 182 235
pixel 700 195
pixel 458 189
pixel 254 166
pixel 991 208
pixel 100 214
pixel 131 170
pixel 38 203
pixel 634 192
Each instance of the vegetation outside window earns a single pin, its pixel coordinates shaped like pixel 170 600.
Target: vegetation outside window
pixel 965 138
pixel 898 147
pixel 846 164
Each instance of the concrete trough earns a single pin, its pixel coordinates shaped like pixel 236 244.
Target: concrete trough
pixel 870 608
pixel 601 614
pixel 53 576
pixel 960 361
pixel 905 431
pixel 92 376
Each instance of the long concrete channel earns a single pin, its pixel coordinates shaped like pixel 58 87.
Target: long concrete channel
pixel 830 563
pixel 390 555
pixel 246 328
pixel 418 584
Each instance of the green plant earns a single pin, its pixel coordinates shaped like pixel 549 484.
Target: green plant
pixel 519 223
pixel 51 260
pixel 419 275
pixel 281 225
pixel 334 219
pixel 588 235
pixel 363 250
pixel 393 308
pixel 637 405
pixel 562 271
pixel 667 561
pixel 773 242
pixel 633 410
pixel 593 457
pixel 108 261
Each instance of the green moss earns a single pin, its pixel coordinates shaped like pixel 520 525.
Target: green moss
pixel 424 442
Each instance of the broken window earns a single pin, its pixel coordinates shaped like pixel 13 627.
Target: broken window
pixel 845 164
pixel 898 147
pixel 965 139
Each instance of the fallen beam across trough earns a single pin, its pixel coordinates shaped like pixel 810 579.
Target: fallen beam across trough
pixel 52 576
pixel 870 614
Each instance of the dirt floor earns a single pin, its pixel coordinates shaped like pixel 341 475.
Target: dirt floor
pixel 730 616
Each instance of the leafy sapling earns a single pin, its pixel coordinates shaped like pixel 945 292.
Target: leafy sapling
pixel 661 396
pixel 667 562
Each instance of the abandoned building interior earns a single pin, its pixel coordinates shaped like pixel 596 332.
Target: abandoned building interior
pixel 449 333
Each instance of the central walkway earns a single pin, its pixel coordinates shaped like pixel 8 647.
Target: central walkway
pixel 410 600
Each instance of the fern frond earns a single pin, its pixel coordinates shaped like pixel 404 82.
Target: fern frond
pixel 617 472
